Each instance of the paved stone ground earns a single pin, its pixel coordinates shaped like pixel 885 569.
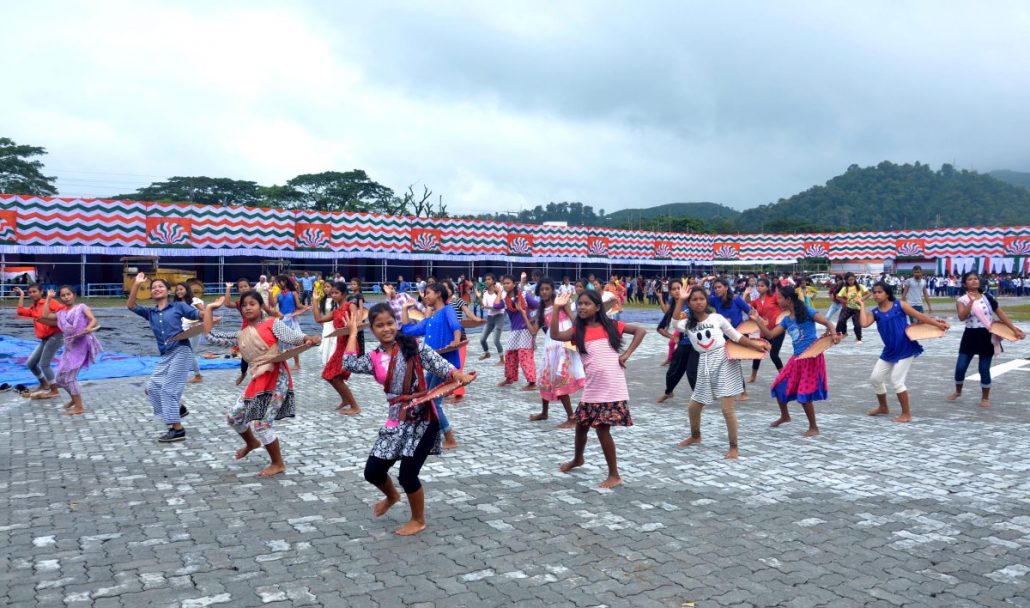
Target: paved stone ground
pixel 933 513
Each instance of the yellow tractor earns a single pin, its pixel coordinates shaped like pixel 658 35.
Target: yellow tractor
pixel 131 266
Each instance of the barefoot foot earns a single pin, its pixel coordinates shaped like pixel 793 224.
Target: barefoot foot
pixel 664 398
pixel 449 443
pixel 411 528
pixel 689 441
pixel 904 418
pixel 780 421
pixel 76 410
pixel 272 469
pixel 954 396
pixel 812 432
pixel 380 508
pixel 985 403
pixel 568 424
pixel 529 387
pixel 247 449
pixel 350 411
pixel 878 411
pixel 611 482
pixel 752 379
pixel 536 417
pixel 572 464
pixel 505 383
pixel 732 454
pixel 743 397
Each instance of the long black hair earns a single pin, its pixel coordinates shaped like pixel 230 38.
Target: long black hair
pixel 614 338
pixel 727 298
pixel 691 319
pixel 670 309
pixel 287 281
pixel 887 289
pixel 188 298
pixel 770 287
pixel 441 290
pixel 408 344
pixel 966 275
pixel 801 313
pixel 540 309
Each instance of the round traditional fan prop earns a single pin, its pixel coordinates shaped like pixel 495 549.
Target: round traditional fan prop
pixel 736 351
pixel 817 348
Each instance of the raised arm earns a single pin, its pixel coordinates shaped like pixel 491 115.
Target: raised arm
pixel 763 327
pixel 562 302
pixel 141 278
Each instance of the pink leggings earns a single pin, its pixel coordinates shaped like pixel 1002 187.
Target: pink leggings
pixel 513 359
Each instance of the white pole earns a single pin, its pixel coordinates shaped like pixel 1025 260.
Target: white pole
pixel 82 273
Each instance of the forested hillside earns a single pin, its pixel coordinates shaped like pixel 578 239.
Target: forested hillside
pixel 894 196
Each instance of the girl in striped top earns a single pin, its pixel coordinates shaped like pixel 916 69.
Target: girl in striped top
pixel 605 395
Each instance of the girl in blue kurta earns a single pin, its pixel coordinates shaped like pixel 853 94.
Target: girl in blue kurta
pixel 891 317
pixel 441 328
pixel 734 309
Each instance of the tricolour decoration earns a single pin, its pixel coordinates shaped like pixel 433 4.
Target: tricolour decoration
pixel 726 251
pixel 169 232
pixel 910 248
pixel 8 226
pixel 597 246
pixel 312 237
pixel 663 250
pixel 425 240
pixel 520 244
pixel 1017 245
pixel 816 249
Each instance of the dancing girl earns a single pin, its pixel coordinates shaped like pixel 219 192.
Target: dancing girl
pixel 891 318
pixel 269 394
pixel 605 400
pixel 410 434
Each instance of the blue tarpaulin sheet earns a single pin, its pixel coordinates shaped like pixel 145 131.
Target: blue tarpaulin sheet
pixel 14 353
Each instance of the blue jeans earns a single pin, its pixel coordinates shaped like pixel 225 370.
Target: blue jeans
pixel 432 382
pixel 984 366
pixel 832 310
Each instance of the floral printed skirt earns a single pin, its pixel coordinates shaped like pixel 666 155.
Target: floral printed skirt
pixel 610 413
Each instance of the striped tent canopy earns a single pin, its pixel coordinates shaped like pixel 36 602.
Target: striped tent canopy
pixel 31 224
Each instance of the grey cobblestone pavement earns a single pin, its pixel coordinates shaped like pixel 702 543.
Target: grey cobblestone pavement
pixel 870 513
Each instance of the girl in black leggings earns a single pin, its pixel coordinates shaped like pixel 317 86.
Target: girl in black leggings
pixel 410 434
pixel 769 312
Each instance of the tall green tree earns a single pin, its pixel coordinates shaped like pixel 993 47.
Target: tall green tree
pixel 20 174
pixel 199 189
pixel 336 191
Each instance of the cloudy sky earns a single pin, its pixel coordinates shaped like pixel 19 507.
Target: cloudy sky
pixel 501 106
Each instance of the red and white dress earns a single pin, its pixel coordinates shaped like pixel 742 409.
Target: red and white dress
pixel 563 368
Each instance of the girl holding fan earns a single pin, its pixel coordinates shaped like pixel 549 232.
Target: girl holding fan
pixel 718 378
pixel 891 318
pixel 978 310
pixel 803 380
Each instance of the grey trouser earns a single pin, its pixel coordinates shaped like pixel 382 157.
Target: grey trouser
pixel 492 323
pixel 39 362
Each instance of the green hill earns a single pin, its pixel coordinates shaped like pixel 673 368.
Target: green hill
pixel 705 212
pixel 1016 178
pixel 890 196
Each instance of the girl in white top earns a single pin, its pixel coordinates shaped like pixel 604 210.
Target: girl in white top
pixel 718 378
pixel 263 287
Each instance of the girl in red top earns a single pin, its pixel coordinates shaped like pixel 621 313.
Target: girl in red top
pixel 51 340
pixel 334 373
pixel 769 311
pixel 605 396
